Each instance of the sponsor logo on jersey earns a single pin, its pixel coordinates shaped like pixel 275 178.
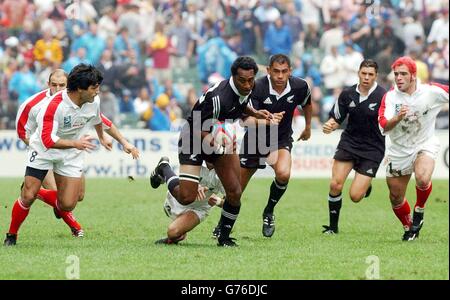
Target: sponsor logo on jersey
pixel 352 104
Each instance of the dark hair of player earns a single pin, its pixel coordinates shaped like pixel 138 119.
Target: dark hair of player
pixel 245 63
pixel 83 76
pixel 279 58
pixel 369 63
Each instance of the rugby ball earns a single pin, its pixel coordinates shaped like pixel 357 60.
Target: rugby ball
pixel 224 133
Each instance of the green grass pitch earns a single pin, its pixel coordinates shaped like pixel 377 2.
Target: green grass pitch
pixel 122 220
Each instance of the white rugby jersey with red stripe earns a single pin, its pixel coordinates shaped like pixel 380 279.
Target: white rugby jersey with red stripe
pixel 60 118
pixel 418 127
pixel 26 122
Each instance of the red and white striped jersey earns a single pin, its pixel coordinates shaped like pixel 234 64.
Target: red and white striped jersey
pixel 26 115
pixel 418 126
pixel 60 118
pixel 26 120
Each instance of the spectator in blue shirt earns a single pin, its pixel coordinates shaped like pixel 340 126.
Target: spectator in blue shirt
pixel 160 120
pixel 76 58
pixel 278 39
pixel 94 44
pixel 126 103
pixel 24 83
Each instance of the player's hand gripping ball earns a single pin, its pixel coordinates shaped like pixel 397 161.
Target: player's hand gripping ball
pixel 224 135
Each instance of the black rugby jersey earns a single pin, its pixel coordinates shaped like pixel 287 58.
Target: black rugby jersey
pixel 219 103
pixel 362 135
pixel 297 92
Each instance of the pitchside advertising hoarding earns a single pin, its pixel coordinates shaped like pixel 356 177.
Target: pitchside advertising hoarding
pixel 310 159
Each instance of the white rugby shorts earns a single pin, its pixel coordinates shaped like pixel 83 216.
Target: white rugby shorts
pixel 400 165
pixel 173 208
pixel 65 162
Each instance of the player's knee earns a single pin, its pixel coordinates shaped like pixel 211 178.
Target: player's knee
pixel 395 197
pixel 186 197
pixel 283 177
pixel 234 195
pixel 174 232
pixel 27 197
pixel 336 186
pixel 80 197
pixel 356 196
pixel 422 181
pixel 65 206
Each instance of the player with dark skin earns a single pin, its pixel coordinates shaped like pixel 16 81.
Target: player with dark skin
pixel 226 101
pixel 280 94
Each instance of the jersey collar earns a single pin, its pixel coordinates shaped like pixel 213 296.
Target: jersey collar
pixel 66 98
pixel 275 93
pixel 242 99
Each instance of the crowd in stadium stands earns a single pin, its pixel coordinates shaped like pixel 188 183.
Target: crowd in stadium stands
pixel 157 56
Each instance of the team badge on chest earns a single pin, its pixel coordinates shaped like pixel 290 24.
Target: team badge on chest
pixel 67 121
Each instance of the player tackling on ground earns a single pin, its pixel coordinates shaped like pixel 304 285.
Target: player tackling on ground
pixel 187 217
pixel 407 116
pixel 361 146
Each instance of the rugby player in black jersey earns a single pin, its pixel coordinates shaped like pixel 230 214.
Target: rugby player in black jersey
pixel 227 101
pixel 278 93
pixel 361 146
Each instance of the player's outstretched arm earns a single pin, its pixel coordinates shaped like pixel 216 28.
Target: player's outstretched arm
pixel 330 126
pixel 306 134
pixel 274 119
pixel 114 132
pixel 258 114
pixel 104 141
pixel 85 143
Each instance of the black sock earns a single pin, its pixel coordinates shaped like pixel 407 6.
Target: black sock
pixel 276 192
pixel 227 219
pixel 167 172
pixel 170 177
pixel 334 206
pixel 172 183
